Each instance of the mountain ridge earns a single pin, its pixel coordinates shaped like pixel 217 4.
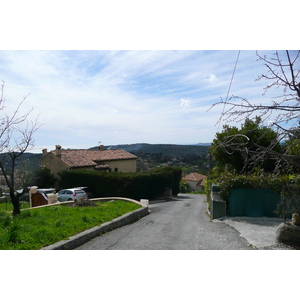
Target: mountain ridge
pixel 30 161
pixel 163 149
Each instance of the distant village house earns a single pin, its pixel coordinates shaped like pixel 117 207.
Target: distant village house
pixel 110 160
pixel 195 181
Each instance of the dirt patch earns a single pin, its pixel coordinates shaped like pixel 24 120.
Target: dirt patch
pixel 82 203
pixel 85 203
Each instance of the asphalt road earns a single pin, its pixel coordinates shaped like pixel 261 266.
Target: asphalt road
pixel 180 223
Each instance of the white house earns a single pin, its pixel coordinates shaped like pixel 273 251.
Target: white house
pixel 195 181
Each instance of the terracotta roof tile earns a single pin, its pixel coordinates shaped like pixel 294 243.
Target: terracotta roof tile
pixel 194 177
pixel 81 158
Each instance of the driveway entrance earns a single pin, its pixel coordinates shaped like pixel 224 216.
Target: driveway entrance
pixel 180 223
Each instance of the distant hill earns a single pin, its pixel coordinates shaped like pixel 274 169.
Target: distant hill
pixel 203 144
pixel 159 154
pixel 191 158
pixel 26 162
pixel 163 149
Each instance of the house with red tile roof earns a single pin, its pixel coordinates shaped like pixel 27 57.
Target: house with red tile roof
pixel 111 160
pixel 195 181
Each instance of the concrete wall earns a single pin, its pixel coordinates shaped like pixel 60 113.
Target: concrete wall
pixel 193 185
pixel 83 237
pixel 217 206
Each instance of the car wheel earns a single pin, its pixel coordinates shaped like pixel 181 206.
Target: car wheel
pixel 70 199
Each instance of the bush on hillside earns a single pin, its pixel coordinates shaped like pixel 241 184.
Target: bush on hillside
pixel 129 185
pixel 287 186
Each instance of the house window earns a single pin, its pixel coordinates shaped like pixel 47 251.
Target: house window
pixel 116 169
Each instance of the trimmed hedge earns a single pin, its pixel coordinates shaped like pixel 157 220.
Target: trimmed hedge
pixel 130 185
pixel 287 186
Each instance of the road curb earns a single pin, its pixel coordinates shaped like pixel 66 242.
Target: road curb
pixel 85 236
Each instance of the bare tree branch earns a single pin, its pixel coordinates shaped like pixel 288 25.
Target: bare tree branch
pixel 16 137
pixel 282 109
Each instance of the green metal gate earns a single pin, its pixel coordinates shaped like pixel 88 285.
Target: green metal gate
pixel 253 202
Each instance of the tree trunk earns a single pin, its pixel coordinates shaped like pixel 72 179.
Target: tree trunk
pixel 10 184
pixel 16 203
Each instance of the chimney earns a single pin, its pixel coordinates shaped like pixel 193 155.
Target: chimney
pixel 45 152
pixel 58 150
pixel 101 147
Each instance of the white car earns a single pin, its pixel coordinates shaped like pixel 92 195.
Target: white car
pixel 71 195
pixel 46 192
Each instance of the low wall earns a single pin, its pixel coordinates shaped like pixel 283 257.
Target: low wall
pixel 217 206
pixel 85 236
pixel 142 203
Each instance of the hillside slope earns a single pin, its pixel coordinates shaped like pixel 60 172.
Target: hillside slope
pixel 164 149
pixel 191 158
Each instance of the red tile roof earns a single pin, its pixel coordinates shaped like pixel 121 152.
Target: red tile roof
pixel 82 158
pixel 194 177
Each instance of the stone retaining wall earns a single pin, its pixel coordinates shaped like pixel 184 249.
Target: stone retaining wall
pixel 85 236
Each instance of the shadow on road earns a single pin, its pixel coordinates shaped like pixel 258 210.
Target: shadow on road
pixel 174 198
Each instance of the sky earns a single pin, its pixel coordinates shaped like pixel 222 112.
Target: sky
pixel 128 73
pixel 136 71
pixel 84 98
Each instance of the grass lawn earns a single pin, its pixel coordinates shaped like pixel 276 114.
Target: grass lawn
pixel 9 207
pixel 37 228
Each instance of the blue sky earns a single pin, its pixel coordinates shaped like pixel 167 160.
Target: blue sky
pixel 123 97
pixel 137 88
pixel 117 96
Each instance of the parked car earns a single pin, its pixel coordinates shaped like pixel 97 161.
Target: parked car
pixel 87 190
pixel 71 195
pixel 46 191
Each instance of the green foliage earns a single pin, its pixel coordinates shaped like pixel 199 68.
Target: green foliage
pixel 129 185
pixel 288 186
pixel 228 181
pixel 43 178
pixel 207 188
pixel 37 228
pixel 161 150
pixel 292 148
pixel 234 148
pixel 184 187
pixel 174 175
pixel 9 207
pixel 290 196
pixel 27 162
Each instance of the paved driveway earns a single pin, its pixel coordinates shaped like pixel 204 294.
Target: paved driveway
pixel 180 223
pixel 259 232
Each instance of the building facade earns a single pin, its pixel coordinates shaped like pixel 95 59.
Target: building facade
pixel 195 181
pixel 110 160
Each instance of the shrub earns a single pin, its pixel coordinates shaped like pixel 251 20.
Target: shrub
pixel 128 185
pixel 288 186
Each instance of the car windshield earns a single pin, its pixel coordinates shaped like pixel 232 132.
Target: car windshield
pixel 79 192
pixel 49 192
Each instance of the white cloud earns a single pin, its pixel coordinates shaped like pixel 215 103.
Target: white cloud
pixel 84 96
pixel 211 78
pixel 185 103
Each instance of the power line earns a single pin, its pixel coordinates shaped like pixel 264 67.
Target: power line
pixel 237 58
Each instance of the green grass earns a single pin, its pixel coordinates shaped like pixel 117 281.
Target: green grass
pixel 37 228
pixel 9 207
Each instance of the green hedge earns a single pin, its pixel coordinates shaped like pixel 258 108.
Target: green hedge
pixel 287 186
pixel 227 181
pixel 129 185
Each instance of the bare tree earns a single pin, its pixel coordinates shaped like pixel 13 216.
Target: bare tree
pixel 282 112
pixel 16 137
